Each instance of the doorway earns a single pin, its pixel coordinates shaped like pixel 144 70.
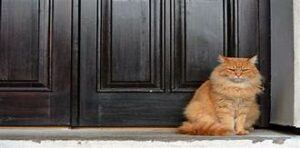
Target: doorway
pixel 120 62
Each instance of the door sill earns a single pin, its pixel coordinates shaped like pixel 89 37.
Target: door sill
pixel 134 137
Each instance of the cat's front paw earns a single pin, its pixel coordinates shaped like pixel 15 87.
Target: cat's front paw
pixel 251 129
pixel 242 132
pixel 228 133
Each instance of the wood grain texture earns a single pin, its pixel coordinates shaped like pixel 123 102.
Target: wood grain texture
pixel 265 61
pixel 25 46
pixel 188 34
pixel 253 38
pixel 125 62
pixel 248 27
pixel 132 102
pixel 199 37
pixel 19 40
pixel 35 62
pixel 74 101
pixel 129 52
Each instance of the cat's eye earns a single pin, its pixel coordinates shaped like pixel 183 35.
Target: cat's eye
pixel 231 69
pixel 245 69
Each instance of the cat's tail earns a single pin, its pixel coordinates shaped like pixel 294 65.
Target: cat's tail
pixel 204 128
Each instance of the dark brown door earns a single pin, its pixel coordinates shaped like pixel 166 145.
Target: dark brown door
pixel 35 62
pixel 141 60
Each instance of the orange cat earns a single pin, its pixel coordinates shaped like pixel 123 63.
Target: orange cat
pixel 226 103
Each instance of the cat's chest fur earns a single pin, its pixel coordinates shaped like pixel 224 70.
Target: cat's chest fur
pixel 236 104
pixel 235 92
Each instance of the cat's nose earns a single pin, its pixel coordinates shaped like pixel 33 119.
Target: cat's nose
pixel 238 75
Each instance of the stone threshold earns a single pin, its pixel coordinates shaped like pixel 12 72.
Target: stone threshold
pixel 32 137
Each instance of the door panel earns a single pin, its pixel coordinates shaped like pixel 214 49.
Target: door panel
pixel 253 38
pixel 35 62
pixel 27 47
pixel 141 60
pixel 134 83
pixel 24 46
pixel 129 53
pixel 248 27
pixel 199 39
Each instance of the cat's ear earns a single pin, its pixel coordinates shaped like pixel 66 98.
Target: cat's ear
pixel 222 59
pixel 253 60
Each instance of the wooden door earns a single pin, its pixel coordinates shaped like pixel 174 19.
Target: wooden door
pixel 141 60
pixel 35 62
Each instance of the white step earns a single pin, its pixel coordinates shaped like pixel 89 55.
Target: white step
pixel 20 137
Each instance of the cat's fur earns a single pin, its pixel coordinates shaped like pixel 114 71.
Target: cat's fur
pixel 226 103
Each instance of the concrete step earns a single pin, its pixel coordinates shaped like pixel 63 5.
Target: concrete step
pixel 35 137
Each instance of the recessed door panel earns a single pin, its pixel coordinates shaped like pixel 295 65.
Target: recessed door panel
pixel 35 56
pixel 145 70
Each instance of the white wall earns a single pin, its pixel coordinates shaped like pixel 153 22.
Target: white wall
pixel 297 61
pixel 282 62
pixel 285 62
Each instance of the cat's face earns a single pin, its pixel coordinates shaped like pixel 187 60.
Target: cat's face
pixel 237 70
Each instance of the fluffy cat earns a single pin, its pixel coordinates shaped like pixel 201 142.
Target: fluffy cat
pixel 226 103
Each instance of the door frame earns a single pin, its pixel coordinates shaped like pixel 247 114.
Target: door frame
pixel 74 102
